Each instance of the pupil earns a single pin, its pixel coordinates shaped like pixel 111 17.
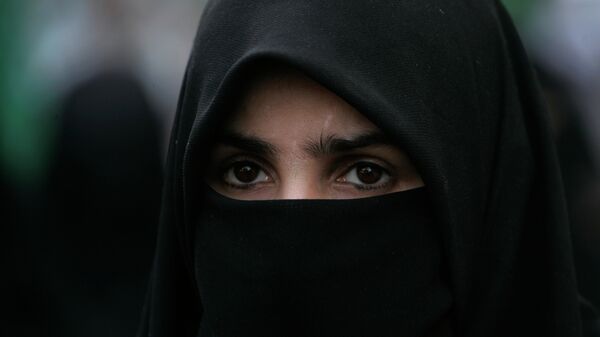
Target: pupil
pixel 246 172
pixel 368 174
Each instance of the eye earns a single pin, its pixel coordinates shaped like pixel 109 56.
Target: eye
pixel 366 175
pixel 244 174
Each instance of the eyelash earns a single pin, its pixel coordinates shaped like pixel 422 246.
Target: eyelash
pixel 231 162
pixel 240 187
pixel 370 187
pixel 366 187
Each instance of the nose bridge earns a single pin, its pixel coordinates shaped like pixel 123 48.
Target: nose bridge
pixel 300 194
pixel 300 187
pixel 301 182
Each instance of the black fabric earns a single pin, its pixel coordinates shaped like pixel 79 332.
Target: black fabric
pixel 450 83
pixel 362 267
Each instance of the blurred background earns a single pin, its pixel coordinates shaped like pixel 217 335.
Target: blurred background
pixel 88 89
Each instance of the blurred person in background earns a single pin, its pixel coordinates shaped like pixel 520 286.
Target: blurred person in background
pixel 562 36
pixel 580 177
pixel 88 89
pixel 103 202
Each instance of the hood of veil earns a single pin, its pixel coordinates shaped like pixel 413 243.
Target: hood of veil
pixel 450 82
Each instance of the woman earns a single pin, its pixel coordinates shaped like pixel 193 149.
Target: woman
pixel 442 89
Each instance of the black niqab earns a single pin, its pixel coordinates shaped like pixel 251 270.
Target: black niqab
pixel 450 83
pixel 361 267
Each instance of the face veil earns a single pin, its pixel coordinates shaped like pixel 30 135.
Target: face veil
pixel 449 81
pixel 350 267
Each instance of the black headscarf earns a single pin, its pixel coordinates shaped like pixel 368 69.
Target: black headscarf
pixel 449 82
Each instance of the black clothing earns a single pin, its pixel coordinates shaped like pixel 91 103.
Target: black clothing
pixel 103 201
pixel 450 83
pixel 320 267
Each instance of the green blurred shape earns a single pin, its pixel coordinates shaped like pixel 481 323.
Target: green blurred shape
pixel 26 126
pixel 520 10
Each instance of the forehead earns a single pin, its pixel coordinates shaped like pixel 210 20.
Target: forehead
pixel 283 102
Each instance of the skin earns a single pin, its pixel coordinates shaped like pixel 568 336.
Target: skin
pixel 292 138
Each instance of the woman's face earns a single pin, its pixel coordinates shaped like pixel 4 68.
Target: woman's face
pixel 291 138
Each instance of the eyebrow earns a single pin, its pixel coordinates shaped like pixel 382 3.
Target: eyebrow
pixel 248 143
pixel 324 146
pixel 332 145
